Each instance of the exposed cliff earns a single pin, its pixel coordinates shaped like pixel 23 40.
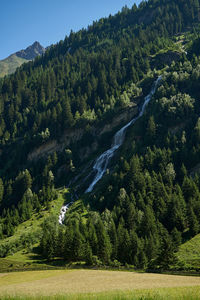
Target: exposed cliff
pixel 31 52
pixel 72 136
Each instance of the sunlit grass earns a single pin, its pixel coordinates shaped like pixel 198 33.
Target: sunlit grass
pixel 93 284
pixel 9 65
pixel 189 253
pixel 189 293
pixel 20 255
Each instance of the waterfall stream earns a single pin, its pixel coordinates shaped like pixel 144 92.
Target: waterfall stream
pixel 65 207
pixel 62 213
pixel 102 161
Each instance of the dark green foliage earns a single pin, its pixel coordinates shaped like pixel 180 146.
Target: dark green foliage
pixel 166 256
pixel 70 80
pixel 149 200
pixel 1 190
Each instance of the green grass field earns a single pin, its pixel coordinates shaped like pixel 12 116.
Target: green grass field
pixel 189 253
pixel 155 294
pixel 93 284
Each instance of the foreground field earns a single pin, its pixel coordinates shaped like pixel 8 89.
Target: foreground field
pixel 114 285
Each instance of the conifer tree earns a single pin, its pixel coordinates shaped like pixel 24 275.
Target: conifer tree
pixel 1 190
pixel 104 246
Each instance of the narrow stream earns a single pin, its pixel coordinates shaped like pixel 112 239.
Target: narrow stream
pixel 62 213
pixel 65 207
pixel 102 161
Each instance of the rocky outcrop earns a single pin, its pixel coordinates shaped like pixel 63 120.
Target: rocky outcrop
pixel 71 136
pixel 85 152
pixel 44 149
pixel 31 52
pixel 15 60
pixel 120 119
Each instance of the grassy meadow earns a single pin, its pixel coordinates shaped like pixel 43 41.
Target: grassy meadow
pixel 189 253
pixel 20 255
pixel 10 64
pixel 153 294
pixel 93 284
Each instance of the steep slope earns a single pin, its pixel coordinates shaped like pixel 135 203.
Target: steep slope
pixel 31 52
pixel 188 254
pixel 57 116
pixel 11 63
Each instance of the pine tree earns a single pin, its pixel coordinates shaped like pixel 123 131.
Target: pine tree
pixel 68 242
pixel 134 247
pixel 113 239
pixel 50 246
pixel 92 237
pixel 104 246
pixel 193 222
pixel 1 190
pixel 176 237
pixel 67 114
pixel 167 257
pixel 77 245
pixel 88 254
pixel 59 251
pixel 151 129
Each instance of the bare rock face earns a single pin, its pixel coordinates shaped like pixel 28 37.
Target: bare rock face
pixel 124 117
pixel 31 52
pixel 72 136
pixel 87 151
pixel 43 150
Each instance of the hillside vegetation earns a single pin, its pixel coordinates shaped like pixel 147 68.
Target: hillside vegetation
pixel 58 106
pixel 10 64
pixel 188 253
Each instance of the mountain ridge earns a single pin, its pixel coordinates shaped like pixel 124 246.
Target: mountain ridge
pixel 31 51
pixel 12 62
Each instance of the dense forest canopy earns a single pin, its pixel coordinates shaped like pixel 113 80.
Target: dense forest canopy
pixel 148 203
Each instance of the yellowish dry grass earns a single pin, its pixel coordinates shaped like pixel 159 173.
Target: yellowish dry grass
pixel 61 282
pixel 25 277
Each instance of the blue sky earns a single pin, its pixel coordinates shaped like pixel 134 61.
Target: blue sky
pixel 23 22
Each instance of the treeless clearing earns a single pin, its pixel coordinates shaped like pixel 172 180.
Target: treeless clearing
pixel 60 282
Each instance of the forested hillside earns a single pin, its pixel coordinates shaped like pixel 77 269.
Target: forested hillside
pixel 148 202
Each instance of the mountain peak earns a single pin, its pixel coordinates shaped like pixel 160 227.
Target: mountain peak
pixel 31 52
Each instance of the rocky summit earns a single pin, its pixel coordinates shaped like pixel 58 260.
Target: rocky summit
pixel 15 60
pixel 31 52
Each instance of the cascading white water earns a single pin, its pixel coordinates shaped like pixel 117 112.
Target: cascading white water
pixel 102 161
pixel 62 213
pixel 65 207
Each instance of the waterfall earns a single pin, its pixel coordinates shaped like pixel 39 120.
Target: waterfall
pixel 102 161
pixel 62 213
pixel 65 207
